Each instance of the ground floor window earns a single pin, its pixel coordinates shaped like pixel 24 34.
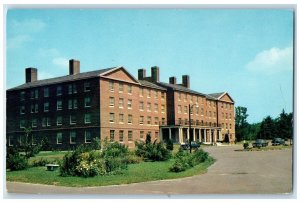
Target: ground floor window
pixel 59 138
pixel 130 135
pixel 112 135
pixel 88 137
pixel 72 137
pixel 10 138
pixel 121 135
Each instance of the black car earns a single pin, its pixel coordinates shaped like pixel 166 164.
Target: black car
pixel 278 141
pixel 194 145
pixel 260 143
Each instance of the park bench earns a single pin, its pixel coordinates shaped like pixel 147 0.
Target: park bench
pixel 52 167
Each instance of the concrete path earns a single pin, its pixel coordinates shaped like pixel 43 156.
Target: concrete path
pixel 234 172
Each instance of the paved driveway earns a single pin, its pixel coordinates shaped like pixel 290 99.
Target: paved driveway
pixel 263 172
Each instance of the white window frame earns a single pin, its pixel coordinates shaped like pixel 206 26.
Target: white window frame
pixel 85 135
pixel 59 133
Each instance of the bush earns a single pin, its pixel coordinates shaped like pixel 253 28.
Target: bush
pixel 169 145
pixel 246 145
pixel 43 161
pixel 15 161
pixel 153 152
pixel 185 160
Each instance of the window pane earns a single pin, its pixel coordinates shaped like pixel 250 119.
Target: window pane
pixel 87 118
pixel 112 135
pixel 88 137
pixel 59 138
pixel 129 135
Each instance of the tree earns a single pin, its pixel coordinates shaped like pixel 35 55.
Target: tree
pixel 284 125
pixel 241 124
pixel 268 128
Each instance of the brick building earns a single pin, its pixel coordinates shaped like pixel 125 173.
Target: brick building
pixel 76 108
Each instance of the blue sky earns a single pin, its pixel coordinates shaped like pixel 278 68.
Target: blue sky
pixel 248 53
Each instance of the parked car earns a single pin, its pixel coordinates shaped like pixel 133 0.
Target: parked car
pixel 260 143
pixel 186 146
pixel 278 141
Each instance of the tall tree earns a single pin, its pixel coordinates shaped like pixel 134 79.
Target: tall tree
pixel 241 123
pixel 267 128
pixel 284 125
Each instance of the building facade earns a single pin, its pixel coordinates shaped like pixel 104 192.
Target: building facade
pixel 111 103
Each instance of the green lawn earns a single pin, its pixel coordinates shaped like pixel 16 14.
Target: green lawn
pixel 142 172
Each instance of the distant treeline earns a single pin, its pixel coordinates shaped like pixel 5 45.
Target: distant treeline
pixel 268 128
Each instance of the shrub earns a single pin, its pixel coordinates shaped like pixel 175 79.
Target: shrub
pixel 169 145
pixel 43 161
pixel 246 145
pixel 15 161
pixel 185 160
pixel 153 152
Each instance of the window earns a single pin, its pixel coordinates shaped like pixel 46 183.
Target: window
pixel 44 122
pixel 72 119
pixel 72 137
pixel 59 105
pixel 58 90
pixel 156 121
pixel 229 115
pixel 179 96
pixel 129 89
pixel 163 108
pixel 22 123
pixel 88 136
pixel 32 110
pixel 148 93
pixel 202 111
pixel 141 134
pixel 32 94
pixel 155 107
pixel 226 116
pixel 112 135
pixel 130 136
pixel 121 88
pixel 111 101
pixel 221 105
pixel 87 118
pixel 163 95
pixel 141 91
pixel 121 103
pixel 36 94
pixel 222 115
pixel 48 121
pixel 121 135
pixel 46 107
pixel 59 120
pixel 155 94
pixel 72 89
pixel 163 121
pixel 22 96
pixel 191 98
pixel 129 105
pixel 87 102
pixel 214 114
pixel 59 138
pixel 179 109
pixel 149 120
pixel 70 104
pixel 197 110
pixel 141 120
pixel 46 92
pixel 75 103
pixel 185 109
pixel 111 86
pixel 87 87
pixel 112 117
pixel 148 106
pixel 226 125
pixel 22 109
pixel 121 118
pixel 34 123
pixel 10 139
pixel 209 113
pixel 141 106
pixel 129 119
pixel 230 126
pixel 185 97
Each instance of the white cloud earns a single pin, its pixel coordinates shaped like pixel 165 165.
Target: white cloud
pixel 44 75
pixel 61 62
pixel 27 26
pixel 18 41
pixel 273 60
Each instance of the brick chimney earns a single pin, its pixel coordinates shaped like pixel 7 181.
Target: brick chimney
pixel 74 67
pixel 172 80
pixel 155 74
pixel 30 74
pixel 141 74
pixel 186 81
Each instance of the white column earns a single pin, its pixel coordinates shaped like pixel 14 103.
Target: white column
pixel 180 135
pixel 200 135
pixel 194 133
pixel 170 132
pixel 205 138
pixel 160 133
pixel 188 133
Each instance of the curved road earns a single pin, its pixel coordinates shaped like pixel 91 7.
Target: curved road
pixel 234 172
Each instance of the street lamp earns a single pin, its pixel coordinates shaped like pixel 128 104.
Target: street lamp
pixel 190 124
